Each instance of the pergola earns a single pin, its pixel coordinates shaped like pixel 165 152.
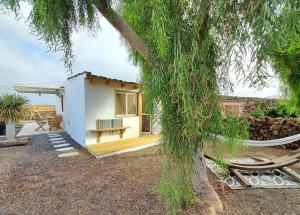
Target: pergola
pixel 39 90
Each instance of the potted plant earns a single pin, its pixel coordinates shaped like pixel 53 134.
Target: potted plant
pixel 12 108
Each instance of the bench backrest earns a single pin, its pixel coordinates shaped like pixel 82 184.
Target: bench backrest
pixel 109 123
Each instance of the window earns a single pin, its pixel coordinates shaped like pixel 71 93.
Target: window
pixel 131 104
pixel 126 104
pixel 120 104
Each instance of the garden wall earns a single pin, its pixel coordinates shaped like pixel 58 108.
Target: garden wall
pixel 274 128
pixel 243 106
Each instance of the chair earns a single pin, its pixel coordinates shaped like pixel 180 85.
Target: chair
pixel 54 123
pixel 40 121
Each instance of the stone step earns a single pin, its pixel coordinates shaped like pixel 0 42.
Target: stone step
pixel 54 135
pixel 64 149
pixel 61 145
pixel 50 135
pixel 68 154
pixel 58 138
pixel 58 141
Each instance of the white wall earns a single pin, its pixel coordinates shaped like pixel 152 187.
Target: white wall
pixel 100 104
pixel 59 111
pixel 58 105
pixel 74 108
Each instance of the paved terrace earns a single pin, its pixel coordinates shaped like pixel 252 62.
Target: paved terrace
pixel 29 129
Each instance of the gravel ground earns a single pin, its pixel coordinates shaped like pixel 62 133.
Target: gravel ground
pixel 33 180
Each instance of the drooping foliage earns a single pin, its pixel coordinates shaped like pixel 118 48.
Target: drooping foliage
pixel 194 46
pixel 287 66
pixel 285 54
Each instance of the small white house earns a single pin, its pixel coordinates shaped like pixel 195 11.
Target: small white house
pixel 88 102
pixel 88 98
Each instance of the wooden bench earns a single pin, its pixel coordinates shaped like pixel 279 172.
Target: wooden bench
pixel 109 125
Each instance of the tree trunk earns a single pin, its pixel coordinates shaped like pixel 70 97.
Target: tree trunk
pixel 201 185
pixel 11 129
pixel 117 21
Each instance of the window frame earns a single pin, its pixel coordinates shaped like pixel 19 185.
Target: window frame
pixel 126 104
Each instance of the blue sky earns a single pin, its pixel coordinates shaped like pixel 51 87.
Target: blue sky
pixel 24 59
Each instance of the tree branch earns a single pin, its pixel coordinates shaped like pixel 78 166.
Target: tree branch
pixel 125 30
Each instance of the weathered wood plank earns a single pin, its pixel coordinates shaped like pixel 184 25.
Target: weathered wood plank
pixel 17 142
pixel 108 129
pixel 291 174
pixel 240 177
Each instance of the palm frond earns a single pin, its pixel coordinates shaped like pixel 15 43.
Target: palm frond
pixel 12 106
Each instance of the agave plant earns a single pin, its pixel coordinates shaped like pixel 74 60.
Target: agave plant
pixel 12 108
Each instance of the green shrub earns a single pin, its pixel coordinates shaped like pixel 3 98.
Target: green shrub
pixel 258 112
pixel 282 109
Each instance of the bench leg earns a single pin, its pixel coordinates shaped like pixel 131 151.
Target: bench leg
pixel 99 137
pixel 121 133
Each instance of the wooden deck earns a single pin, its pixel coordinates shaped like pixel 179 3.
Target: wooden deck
pixel 101 150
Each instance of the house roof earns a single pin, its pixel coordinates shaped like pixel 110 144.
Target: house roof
pixel 106 80
pixel 39 90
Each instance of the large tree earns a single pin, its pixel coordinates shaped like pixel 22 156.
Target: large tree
pixel 186 49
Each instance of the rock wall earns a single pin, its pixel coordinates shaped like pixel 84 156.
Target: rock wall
pixel 243 106
pixel 274 128
pixel 245 99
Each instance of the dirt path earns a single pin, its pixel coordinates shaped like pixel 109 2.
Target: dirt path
pixel 35 181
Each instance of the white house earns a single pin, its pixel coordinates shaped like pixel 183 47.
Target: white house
pixel 97 109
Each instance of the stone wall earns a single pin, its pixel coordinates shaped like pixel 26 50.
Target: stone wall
pixel 274 128
pixel 243 106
